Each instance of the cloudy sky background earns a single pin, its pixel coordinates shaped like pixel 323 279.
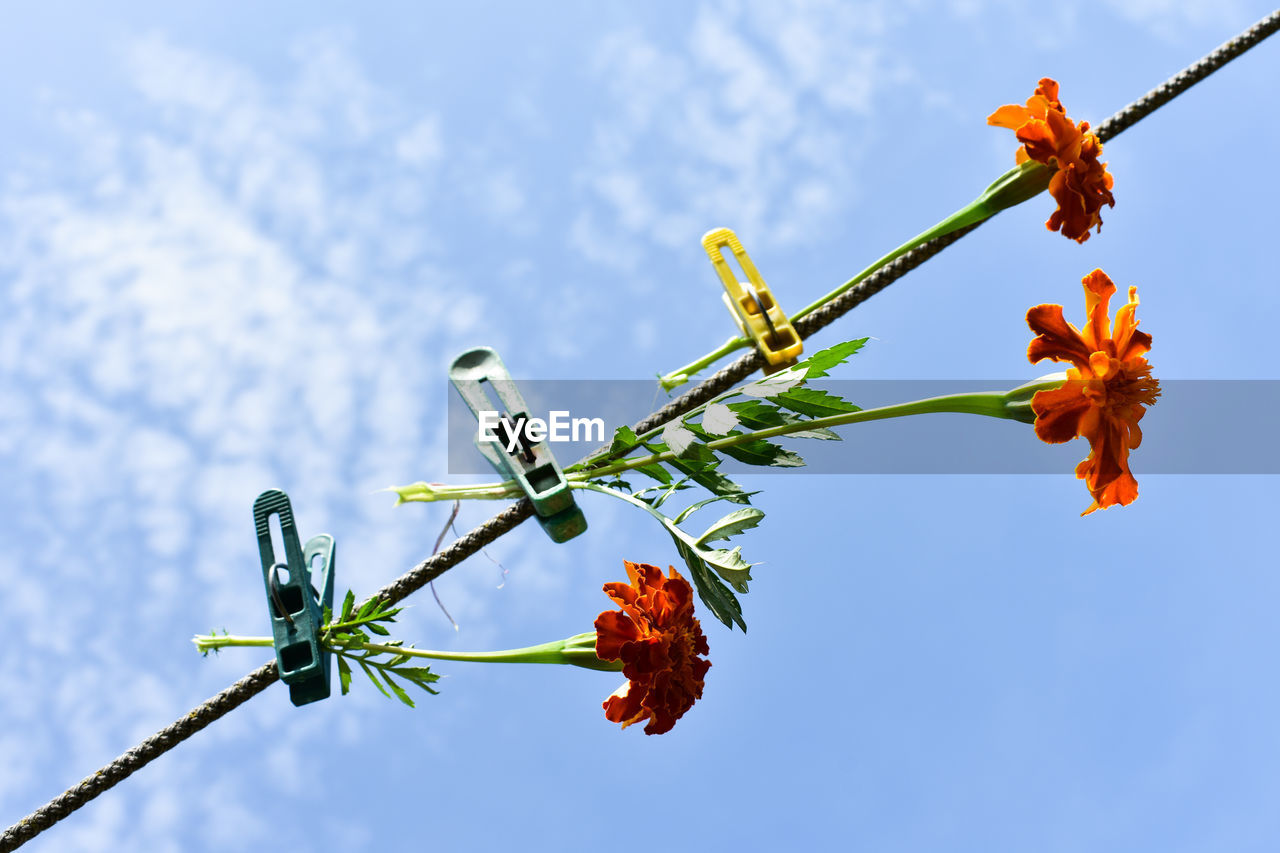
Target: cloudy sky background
pixel 238 250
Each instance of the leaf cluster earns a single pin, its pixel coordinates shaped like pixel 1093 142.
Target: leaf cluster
pixel 349 636
pixel 780 401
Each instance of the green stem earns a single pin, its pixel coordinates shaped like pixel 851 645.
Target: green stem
pixel 970 214
pixel 1015 186
pixel 681 375
pixel 1009 405
pixel 578 650
pixel 973 212
pixel 995 404
pixel 428 492
pixel 213 642
pixel 631 499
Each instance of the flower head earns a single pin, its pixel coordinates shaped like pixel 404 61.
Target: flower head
pixel 659 641
pixel 1108 387
pixel 1080 184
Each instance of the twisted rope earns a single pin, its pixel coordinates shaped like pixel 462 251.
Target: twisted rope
pixel 244 689
pixel 1186 78
pixel 502 523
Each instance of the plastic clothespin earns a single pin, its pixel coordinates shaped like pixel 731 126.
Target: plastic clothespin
pixel 532 465
pixel 752 305
pixel 296 607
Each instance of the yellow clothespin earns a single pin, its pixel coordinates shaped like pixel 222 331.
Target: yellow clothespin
pixel 751 303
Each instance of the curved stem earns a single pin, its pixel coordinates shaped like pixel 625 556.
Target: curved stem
pixel 681 375
pixel 578 650
pixel 990 403
pixel 1007 405
pixel 970 214
pixel 428 492
pixel 1015 186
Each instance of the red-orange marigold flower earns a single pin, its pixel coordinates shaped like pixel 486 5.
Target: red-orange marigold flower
pixel 1081 185
pixel 658 639
pixel 1108 387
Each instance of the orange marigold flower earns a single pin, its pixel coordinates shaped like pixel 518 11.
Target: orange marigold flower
pixel 1080 184
pixel 1108 388
pixel 658 639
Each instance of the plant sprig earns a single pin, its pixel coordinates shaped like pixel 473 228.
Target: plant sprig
pixel 347 639
pixel 384 662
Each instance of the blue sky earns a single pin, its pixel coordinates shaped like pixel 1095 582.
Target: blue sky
pixel 239 248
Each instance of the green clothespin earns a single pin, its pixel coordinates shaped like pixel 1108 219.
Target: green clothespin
pixel 531 464
pixel 296 607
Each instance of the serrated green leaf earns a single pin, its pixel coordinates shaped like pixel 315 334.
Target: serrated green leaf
pixel 421 676
pixel 718 598
pixel 732 524
pixel 397 660
pixel 656 472
pixel 380 630
pixel 662 493
pixel 817 365
pixel 814 402
pixel 690 510
pixel 682 484
pixel 367 608
pixel 719 419
pixel 624 438
pixel 717 484
pixel 757 414
pixel 372 677
pixel 763 452
pixel 678 437
pixel 348 604
pixel 728 565
pixel 344 675
pixel 699 466
pixel 397 689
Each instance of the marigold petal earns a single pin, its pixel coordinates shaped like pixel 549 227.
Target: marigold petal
pixel 1011 116
pixel 1106 470
pixel 1135 431
pixel 625 706
pixel 1039 141
pixel 1098 288
pixel 1129 342
pixel 1055 339
pixel 622 593
pixel 1047 88
pixel 614 629
pixel 1059 412
pixel 647 655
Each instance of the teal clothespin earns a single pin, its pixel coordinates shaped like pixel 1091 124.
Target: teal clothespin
pixel 296 608
pixel 532 464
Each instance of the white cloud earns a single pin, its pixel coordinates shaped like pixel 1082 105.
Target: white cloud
pixel 200 308
pixel 732 127
pixel 421 145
